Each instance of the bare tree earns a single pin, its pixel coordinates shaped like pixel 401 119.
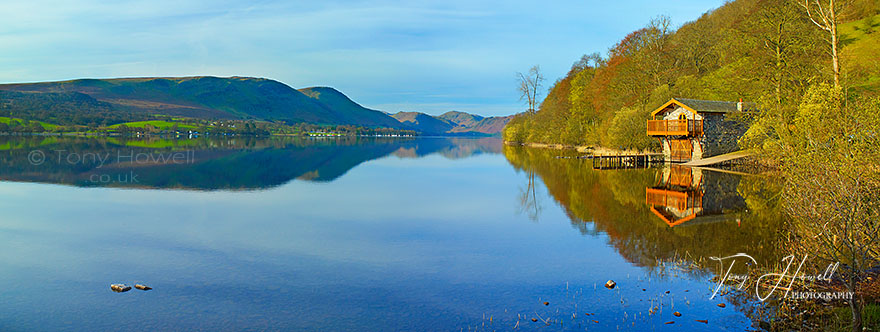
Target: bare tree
pixel 529 86
pixel 827 17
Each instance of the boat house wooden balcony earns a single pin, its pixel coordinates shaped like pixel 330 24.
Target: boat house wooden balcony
pixel 677 127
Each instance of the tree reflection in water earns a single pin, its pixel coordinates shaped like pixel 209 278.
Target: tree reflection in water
pixel 714 213
pixel 528 198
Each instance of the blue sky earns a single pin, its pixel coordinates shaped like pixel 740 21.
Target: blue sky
pixel 429 56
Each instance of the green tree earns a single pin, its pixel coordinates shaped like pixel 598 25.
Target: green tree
pixel 832 189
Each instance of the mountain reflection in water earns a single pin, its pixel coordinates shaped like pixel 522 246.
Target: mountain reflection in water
pixel 366 234
pixel 234 163
pixel 713 213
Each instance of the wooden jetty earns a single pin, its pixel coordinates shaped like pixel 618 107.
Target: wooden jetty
pixel 626 161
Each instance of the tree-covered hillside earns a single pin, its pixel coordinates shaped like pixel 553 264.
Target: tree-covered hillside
pixel 133 99
pixel 764 51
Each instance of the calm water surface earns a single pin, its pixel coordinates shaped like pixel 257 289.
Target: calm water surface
pixel 429 234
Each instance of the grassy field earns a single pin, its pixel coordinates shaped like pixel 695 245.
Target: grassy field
pixel 160 124
pixel 860 55
pixel 8 120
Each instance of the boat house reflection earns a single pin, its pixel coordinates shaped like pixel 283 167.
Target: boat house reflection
pixel 685 194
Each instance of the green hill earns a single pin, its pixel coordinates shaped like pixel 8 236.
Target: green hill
pixel 111 101
pixel 343 105
pixel 141 101
pixel 861 53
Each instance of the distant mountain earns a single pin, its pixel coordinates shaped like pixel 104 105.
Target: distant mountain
pixel 460 118
pixel 453 123
pixel 102 102
pixel 466 122
pixel 424 123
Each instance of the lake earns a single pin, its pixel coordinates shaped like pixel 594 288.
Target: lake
pixel 364 234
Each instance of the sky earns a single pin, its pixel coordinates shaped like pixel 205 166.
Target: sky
pixel 427 56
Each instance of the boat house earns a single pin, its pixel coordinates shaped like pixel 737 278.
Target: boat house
pixel 691 129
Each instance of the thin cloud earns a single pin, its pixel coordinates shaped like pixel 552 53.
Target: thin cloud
pixel 423 54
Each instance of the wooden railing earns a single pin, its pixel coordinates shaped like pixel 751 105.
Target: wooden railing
pixel 675 127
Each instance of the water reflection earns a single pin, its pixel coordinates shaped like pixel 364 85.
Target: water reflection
pixel 412 242
pixel 715 213
pixel 240 163
pixel 694 195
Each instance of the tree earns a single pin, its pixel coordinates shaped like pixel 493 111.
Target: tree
pixel 828 17
pixel 529 87
pixel 35 127
pixel 785 58
pixel 832 189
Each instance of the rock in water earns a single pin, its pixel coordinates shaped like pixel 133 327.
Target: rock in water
pixel 119 288
pixel 610 284
pixel 142 287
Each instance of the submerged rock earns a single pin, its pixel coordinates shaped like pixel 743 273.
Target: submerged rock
pixel 120 288
pixel 610 284
pixel 142 287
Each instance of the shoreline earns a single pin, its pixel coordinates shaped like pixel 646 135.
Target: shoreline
pixel 592 150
